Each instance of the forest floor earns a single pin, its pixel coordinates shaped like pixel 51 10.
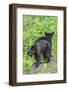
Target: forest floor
pixel 47 68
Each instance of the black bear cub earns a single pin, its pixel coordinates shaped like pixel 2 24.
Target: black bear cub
pixel 42 46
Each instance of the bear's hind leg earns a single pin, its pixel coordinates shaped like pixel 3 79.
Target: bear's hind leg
pixel 44 56
pixel 37 58
pixel 48 56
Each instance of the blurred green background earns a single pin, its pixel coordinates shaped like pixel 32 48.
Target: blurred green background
pixel 33 28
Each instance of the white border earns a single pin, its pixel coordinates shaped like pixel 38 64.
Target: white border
pixel 39 77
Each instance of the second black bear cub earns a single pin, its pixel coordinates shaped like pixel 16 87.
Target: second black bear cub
pixel 42 46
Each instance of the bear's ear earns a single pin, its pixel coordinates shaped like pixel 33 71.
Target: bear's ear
pixel 45 33
pixel 52 33
pixel 33 47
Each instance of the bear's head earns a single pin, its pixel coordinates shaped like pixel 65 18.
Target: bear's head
pixel 49 35
pixel 31 51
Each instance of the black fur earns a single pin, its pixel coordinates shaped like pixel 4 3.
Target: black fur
pixel 42 46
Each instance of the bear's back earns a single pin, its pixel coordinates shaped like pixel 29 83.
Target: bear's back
pixel 42 44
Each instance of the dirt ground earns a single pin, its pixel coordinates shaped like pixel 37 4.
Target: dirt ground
pixel 47 68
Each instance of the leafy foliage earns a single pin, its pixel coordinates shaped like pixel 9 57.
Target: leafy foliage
pixel 33 28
